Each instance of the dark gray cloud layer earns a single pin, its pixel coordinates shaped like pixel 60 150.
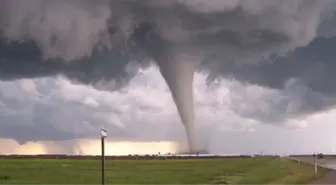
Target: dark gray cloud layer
pixel 23 60
pixel 313 68
pixel 233 38
pixel 312 64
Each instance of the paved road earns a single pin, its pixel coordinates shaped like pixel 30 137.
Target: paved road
pixel 327 163
pixel 330 164
pixel 329 178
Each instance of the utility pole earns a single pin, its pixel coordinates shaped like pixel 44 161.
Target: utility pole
pixel 103 136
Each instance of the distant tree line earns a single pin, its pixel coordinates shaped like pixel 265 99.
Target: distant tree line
pixel 135 157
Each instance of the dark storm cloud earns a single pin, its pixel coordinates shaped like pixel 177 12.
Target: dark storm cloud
pixel 234 39
pixel 313 64
pixel 24 60
pixel 313 67
pixel 234 30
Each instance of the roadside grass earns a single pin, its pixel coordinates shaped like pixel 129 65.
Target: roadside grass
pixel 258 170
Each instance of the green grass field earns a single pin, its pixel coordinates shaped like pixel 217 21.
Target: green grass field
pixel 180 171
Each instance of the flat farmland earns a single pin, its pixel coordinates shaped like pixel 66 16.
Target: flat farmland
pixel 249 170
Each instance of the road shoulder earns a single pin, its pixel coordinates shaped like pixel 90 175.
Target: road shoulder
pixel 329 178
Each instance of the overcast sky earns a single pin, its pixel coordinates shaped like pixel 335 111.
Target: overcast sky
pixel 266 83
pixel 56 109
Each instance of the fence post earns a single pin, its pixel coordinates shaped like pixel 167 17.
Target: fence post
pixel 103 136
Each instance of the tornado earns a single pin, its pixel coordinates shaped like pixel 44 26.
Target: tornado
pixel 177 66
pixel 178 70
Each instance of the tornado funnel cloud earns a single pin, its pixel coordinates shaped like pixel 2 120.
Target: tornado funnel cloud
pixel 178 71
pixel 177 66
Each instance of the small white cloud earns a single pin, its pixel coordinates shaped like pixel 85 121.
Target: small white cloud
pixel 91 102
pixel 296 124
